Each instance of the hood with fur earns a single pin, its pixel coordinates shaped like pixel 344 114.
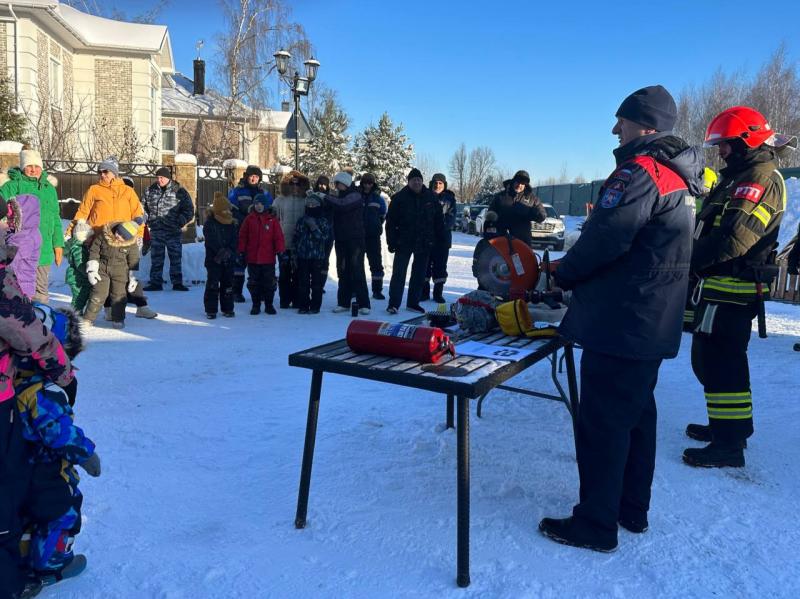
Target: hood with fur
pixel 305 184
pixel 110 238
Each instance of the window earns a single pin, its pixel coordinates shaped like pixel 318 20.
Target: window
pixel 56 83
pixel 167 140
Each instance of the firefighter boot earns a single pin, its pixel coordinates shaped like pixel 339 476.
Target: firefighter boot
pixel 570 531
pixel 377 289
pixel 716 455
pixel 702 432
pixel 438 289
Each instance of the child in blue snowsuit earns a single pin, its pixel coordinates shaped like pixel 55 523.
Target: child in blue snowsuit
pixel 51 511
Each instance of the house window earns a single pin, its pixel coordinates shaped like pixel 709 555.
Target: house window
pixel 167 139
pixel 56 83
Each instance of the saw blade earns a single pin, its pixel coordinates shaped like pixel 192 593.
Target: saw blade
pixel 492 271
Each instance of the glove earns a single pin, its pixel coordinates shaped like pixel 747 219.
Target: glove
pixel 71 389
pixel 132 282
pixel 241 261
pixel 92 268
pixel 311 223
pixel 59 255
pixel 92 465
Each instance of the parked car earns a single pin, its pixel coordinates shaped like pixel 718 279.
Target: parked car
pixel 471 213
pixel 459 224
pixel 548 233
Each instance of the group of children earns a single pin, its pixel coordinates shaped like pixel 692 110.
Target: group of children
pixel 40 498
pixel 256 244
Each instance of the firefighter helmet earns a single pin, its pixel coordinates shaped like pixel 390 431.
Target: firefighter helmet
pixel 739 122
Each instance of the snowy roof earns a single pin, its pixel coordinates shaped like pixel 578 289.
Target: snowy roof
pixel 177 99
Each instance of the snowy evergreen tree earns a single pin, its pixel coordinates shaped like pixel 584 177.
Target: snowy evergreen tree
pixel 12 126
pixel 327 152
pixel 384 151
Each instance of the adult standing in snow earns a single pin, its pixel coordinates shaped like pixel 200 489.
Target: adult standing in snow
pixel 323 185
pixel 241 198
pixel 437 266
pixel 516 207
pixel 374 216
pixel 628 273
pixel 30 178
pixel 169 208
pixel 736 234
pixel 413 225
pixel 290 207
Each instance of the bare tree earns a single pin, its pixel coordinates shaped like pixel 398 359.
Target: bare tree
pixel 563 177
pixel 481 166
pixel 458 171
pixel 427 164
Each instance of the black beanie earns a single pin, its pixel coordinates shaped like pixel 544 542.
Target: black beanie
pixel 651 107
pixel 322 180
pixel 368 178
pixel 414 174
pixel 439 177
pixel 164 172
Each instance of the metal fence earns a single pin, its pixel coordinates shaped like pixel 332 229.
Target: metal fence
pixel 209 180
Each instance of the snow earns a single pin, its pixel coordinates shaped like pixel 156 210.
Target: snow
pixel 177 98
pixel 234 163
pixel 186 159
pixel 10 147
pixel 200 427
pixel 108 33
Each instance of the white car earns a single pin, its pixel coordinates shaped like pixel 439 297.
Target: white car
pixel 548 233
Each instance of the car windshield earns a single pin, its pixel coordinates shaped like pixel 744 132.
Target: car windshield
pixel 551 212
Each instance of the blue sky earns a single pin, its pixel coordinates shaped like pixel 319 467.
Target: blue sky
pixel 537 82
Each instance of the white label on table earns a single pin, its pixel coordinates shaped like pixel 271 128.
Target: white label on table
pixel 494 352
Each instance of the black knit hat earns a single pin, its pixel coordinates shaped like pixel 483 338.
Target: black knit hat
pixel 368 178
pixel 439 177
pixel 164 172
pixel 652 107
pixel 322 180
pixel 414 174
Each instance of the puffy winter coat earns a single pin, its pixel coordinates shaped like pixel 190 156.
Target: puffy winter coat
pixel 261 238
pixel 347 208
pixel 629 268
pixel 414 221
pixel 22 335
pixel 516 212
pixel 116 257
pixel 311 238
pixel 221 240
pixel 168 208
pixel 447 200
pixel 374 213
pixel 27 240
pixel 241 198
pixel 77 254
pixel 104 203
pixel 49 211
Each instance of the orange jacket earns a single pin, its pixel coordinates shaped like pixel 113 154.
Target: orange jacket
pixel 104 203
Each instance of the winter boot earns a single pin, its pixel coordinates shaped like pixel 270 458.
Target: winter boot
pixel 425 292
pixel 180 287
pixel 570 531
pixel 210 315
pixel 153 287
pixel 119 324
pixel 270 309
pixel 239 298
pixel 75 567
pixel 228 314
pixel 145 312
pixel 438 289
pixel 702 432
pixel 715 455
pixel 377 289
pixel 256 309
pixel 635 524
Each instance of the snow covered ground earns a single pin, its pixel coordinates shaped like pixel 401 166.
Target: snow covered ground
pixel 200 428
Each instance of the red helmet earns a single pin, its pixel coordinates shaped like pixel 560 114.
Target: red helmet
pixel 742 122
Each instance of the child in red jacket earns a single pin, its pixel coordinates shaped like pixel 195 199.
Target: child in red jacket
pixel 260 242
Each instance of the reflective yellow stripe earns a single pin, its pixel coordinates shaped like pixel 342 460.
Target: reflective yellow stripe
pixel 742 394
pixel 717 220
pixel 730 406
pixel 730 285
pixel 730 416
pixel 783 185
pixel 762 214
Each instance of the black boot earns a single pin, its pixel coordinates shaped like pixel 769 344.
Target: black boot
pixel 425 293
pixel 239 298
pixel 702 432
pixel 438 289
pixel 377 289
pixel 715 455
pixel 637 524
pixel 256 309
pixel 570 531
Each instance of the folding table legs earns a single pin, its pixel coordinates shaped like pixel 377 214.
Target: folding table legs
pixel 462 448
pixel 450 409
pixel 308 449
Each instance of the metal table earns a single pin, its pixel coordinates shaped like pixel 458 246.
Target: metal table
pixel 462 378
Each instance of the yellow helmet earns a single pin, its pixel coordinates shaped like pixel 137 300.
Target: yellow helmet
pixel 515 320
pixel 709 179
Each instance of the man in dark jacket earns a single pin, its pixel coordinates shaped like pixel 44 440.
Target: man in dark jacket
pixel 516 207
pixel 374 215
pixel 437 265
pixel 737 231
pixel 413 225
pixel 168 208
pixel 628 273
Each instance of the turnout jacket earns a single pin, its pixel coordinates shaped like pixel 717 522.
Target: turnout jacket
pixel 414 222
pixel 629 268
pixel 168 208
pixel 737 229
pixel 515 212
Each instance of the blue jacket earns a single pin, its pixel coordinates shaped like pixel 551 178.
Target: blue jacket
pixel 374 213
pixel 629 269
pixel 241 198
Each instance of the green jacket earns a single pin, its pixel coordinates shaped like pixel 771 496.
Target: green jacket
pixel 50 213
pixel 76 254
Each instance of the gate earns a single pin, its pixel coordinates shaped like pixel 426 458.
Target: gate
pixel 75 177
pixel 209 180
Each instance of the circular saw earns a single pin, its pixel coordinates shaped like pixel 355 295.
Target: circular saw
pixel 506 263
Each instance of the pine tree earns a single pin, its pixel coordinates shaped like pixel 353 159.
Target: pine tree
pixel 384 151
pixel 12 126
pixel 327 152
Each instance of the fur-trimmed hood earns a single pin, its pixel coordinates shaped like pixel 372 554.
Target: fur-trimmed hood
pixel 305 184
pixel 110 239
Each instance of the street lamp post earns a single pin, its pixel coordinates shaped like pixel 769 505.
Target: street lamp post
pixel 299 86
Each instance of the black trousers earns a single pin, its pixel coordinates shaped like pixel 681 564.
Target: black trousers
pixel 437 265
pixel 14 476
pixel 719 361
pixel 310 282
pixel 287 281
pixel 136 298
pixel 616 443
pixel 398 282
pixel 261 283
pixel 219 288
pixel 375 259
pixel 353 280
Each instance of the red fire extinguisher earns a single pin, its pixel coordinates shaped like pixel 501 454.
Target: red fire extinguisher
pixel 399 340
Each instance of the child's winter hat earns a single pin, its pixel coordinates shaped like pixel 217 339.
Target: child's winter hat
pixel 221 208
pixel 263 199
pixel 81 230
pixel 127 230
pixel 344 178
pixel 65 326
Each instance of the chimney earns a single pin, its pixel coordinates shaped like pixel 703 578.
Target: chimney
pixel 286 106
pixel 199 77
